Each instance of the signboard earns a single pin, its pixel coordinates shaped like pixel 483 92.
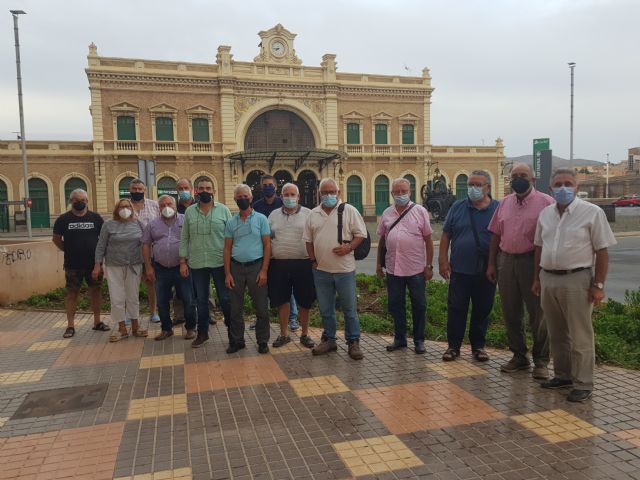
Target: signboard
pixel 147 172
pixel 539 144
pixel 544 179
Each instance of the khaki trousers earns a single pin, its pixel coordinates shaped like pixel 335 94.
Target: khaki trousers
pixel 567 311
pixel 124 291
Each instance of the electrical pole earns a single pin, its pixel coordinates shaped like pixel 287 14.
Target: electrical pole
pixel 572 65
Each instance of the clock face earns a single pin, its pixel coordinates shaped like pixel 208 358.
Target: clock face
pixel 277 48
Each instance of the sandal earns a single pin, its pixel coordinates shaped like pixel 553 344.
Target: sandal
pixel 69 332
pixel 450 355
pixel 117 338
pixel 480 355
pixel 103 327
pixel 139 333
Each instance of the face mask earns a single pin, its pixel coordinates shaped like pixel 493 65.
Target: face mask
pixel 243 203
pixel 401 200
pixel 564 195
pixel 125 213
pixel 79 206
pixel 520 185
pixel 475 193
pixel 168 212
pixel 329 201
pixel 268 190
pixel 184 195
pixel 290 202
pixel 205 197
pixel 137 196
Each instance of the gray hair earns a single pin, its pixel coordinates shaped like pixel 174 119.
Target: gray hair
pixel 291 185
pixel 400 180
pixel 563 171
pixel 78 190
pixel 162 197
pixel 482 173
pixel 136 181
pixel 327 180
pixel 240 187
pixel 185 180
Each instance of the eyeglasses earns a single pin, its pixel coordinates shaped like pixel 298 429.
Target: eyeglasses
pixel 331 192
pixel 479 185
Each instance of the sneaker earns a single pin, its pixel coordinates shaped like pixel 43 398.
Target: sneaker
pixel 190 335
pixel 164 335
pixel 354 350
pixel 281 340
pixel 579 395
pixel 555 383
pixel 540 372
pixel 325 347
pixel 263 348
pixel 294 325
pixel 307 342
pixel 200 340
pixel 155 318
pixel 515 364
pixel 396 345
pixel 234 347
pixel 252 326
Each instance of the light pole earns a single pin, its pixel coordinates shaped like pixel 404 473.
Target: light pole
pixel 23 141
pixel 572 65
pixel 606 190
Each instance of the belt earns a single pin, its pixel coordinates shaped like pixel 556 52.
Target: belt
pixel 246 264
pixel 566 272
pixel 520 255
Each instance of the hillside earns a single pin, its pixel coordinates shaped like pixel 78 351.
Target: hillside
pixel 557 161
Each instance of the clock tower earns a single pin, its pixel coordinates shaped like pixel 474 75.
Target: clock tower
pixel 277 47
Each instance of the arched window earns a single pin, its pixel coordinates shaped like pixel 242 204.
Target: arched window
pixel 282 177
pixel 381 193
pixel 200 129
pixel 164 129
pixel 4 209
pixel 167 186
pixel 461 186
pixel 126 126
pixel 412 183
pixel 253 180
pixel 201 178
pixel 354 192
pixel 39 193
pixel 72 184
pixel 308 186
pixel 123 187
pixel 278 130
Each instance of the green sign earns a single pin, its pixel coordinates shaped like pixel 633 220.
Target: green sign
pixel 539 144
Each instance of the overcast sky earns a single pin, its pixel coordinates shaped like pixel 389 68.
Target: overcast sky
pixel 499 67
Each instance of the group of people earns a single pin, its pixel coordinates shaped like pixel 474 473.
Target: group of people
pixel 546 254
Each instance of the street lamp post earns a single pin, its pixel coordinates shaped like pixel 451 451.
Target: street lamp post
pixel 23 140
pixel 606 190
pixel 572 65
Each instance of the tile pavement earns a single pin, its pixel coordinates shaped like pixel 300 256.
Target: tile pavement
pixel 171 412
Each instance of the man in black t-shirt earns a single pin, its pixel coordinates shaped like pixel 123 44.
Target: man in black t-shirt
pixel 76 233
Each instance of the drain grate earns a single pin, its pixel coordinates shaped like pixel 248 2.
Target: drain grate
pixel 61 400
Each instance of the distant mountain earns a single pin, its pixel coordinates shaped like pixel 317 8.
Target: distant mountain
pixel 556 161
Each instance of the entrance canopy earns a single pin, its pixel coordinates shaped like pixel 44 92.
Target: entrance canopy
pixel 289 157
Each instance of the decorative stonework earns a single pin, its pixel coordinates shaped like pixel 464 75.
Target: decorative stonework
pixel 277 47
pixel 242 104
pixel 317 107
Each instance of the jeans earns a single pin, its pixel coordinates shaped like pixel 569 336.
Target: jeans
pixel 166 278
pixel 462 289
pixel 201 278
pixel 293 313
pixel 344 284
pixel 244 277
pixel 396 291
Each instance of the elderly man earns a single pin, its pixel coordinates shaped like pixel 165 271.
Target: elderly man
pixel 76 234
pixel 334 266
pixel 568 237
pixel 466 231
pixel 511 262
pixel 201 247
pixel 185 194
pixel 405 235
pixel 145 211
pixel 247 251
pixel 290 273
pixel 162 236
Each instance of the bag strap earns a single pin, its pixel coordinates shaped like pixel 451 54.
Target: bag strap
pixel 340 213
pixel 400 217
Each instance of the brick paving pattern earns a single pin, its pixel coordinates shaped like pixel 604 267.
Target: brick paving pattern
pixel 162 410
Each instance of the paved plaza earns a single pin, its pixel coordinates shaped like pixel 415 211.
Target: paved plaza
pixel 140 409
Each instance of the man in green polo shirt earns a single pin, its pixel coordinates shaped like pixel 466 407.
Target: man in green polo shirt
pixel 201 247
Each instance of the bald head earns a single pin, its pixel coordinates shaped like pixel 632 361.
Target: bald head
pixel 522 170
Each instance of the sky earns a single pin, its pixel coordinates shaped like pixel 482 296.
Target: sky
pixel 499 67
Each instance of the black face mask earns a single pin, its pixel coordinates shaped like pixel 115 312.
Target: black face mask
pixel 243 203
pixel 205 197
pixel 79 206
pixel 137 196
pixel 520 185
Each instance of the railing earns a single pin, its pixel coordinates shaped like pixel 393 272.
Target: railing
pixel 127 145
pixel 201 147
pixel 382 148
pixel 368 149
pixel 165 146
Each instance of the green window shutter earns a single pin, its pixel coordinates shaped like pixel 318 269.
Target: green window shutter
pixel 461 186
pixel 126 128
pixel 72 184
pixel 167 186
pixel 381 134
pixel 353 133
pixel 164 129
pixel 200 129
pixel 407 135
pixel 381 193
pixel 412 183
pixel 354 192
pixel 123 187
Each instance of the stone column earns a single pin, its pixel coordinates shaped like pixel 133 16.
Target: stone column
pixel 329 66
pixel 224 60
pixel 99 160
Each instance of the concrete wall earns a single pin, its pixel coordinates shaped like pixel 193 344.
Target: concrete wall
pixel 29 268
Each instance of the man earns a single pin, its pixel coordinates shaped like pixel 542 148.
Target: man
pixel 568 236
pixel 162 236
pixel 76 234
pixel 201 247
pixel 290 273
pixel 511 263
pixel 145 211
pixel 247 251
pixel 185 194
pixel 465 229
pixel 405 232
pixel 334 266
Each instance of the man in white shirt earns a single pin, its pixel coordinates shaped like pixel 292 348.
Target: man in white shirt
pixel 568 236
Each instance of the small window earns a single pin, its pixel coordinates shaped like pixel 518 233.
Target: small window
pixel 126 128
pixel 200 129
pixel 407 135
pixel 353 133
pixel 381 134
pixel 72 184
pixel 164 129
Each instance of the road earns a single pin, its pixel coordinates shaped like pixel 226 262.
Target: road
pixel 624 263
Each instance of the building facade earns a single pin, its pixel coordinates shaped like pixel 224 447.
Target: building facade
pixel 232 121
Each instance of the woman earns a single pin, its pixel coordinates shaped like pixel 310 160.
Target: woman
pixel 120 247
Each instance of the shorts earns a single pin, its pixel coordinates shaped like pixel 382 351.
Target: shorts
pixel 74 277
pixel 286 276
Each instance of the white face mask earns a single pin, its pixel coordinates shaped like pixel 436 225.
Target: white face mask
pixel 125 213
pixel 168 212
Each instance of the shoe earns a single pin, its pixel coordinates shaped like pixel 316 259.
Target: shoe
pixel 396 345
pixel 252 326
pixel 234 347
pixel 419 347
pixel 579 395
pixel 294 325
pixel 307 342
pixel 178 321
pixel 450 355
pixel 200 340
pixel 354 350
pixel 212 321
pixel 281 340
pixel 515 364
pixel 555 383
pixel 190 335
pixel 480 355
pixel 263 348
pixel 155 318
pixel 540 372
pixel 164 335
pixel 325 347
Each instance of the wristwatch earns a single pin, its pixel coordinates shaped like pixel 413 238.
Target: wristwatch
pixel 598 285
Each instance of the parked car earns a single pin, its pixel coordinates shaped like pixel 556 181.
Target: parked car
pixel 628 201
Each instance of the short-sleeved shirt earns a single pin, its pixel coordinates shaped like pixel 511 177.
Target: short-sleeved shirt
pixel 321 229
pixel 286 233
pixel 80 235
pixel 247 236
pixel 164 238
pixel 516 218
pixel 570 241
pixel 464 252
pixel 150 211
pixel 406 255
pixel 202 240
pixel 261 206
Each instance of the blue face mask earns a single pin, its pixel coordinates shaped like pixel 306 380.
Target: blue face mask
pixel 475 193
pixel 290 202
pixel 402 200
pixel 185 195
pixel 329 201
pixel 564 195
pixel 268 190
